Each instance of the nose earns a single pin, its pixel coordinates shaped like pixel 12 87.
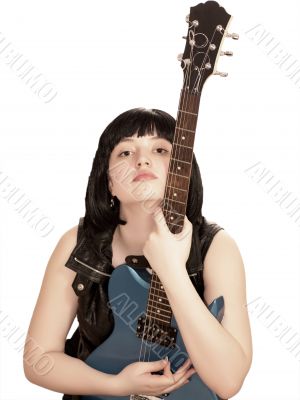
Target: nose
pixel 143 160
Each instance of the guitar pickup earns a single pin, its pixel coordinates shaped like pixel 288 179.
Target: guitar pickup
pixel 154 332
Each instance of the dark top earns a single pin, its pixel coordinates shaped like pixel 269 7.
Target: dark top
pixel 79 345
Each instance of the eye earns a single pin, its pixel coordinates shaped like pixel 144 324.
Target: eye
pixel 125 151
pixel 160 148
pixel 128 151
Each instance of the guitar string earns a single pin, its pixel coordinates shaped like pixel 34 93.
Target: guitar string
pixel 150 302
pixel 182 104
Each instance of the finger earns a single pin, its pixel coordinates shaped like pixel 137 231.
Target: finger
pixel 182 380
pixel 185 365
pixel 177 385
pixel 168 372
pixel 155 365
pixel 190 373
pixel 187 227
pixel 184 375
pixel 159 219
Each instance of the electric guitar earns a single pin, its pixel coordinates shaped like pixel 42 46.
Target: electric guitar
pixel 144 326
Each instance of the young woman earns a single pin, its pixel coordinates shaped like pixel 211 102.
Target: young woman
pixel 123 218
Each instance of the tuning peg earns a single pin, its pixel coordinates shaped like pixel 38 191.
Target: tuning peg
pixel 222 74
pixel 234 36
pixel 184 37
pixel 185 61
pixel 187 18
pixel 226 53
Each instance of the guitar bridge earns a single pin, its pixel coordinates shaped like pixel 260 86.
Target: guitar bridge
pixel 156 333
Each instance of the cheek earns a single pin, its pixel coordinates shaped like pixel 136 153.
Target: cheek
pixel 121 174
pixel 166 166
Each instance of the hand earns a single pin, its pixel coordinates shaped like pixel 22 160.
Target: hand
pixel 136 378
pixel 163 249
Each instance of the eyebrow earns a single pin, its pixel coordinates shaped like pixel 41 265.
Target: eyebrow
pixel 132 140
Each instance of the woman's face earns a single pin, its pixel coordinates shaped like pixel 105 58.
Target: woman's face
pixel 133 155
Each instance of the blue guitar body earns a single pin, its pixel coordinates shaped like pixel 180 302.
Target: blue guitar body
pixel 128 295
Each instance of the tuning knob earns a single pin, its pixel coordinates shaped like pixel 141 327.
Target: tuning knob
pixel 184 37
pixel 186 61
pixel 187 18
pixel 226 53
pixel 234 36
pixel 222 74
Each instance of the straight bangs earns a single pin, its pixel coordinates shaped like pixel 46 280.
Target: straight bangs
pixel 141 121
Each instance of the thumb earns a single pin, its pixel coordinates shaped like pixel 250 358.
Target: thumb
pixel 159 219
pixel 155 365
pixel 187 226
pixel 187 222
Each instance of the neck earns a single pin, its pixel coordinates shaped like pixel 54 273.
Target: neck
pixel 140 223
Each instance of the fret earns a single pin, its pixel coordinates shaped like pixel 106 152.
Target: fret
pixel 172 187
pixel 163 317
pixel 176 195
pixel 184 129
pixel 176 201
pixel 186 162
pixel 159 303
pixel 182 145
pixel 175 212
pixel 173 223
pixel 154 317
pixel 157 283
pixel 187 112
pixel 160 290
pixel 157 288
pixel 155 314
pixel 161 311
pixel 182 176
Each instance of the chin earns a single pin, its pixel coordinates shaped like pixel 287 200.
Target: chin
pixel 148 192
pixel 150 205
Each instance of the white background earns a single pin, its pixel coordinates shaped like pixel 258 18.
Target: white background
pixel 103 58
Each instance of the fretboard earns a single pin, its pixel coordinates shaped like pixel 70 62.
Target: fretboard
pixel 176 194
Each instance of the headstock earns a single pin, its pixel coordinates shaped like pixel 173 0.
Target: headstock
pixel 207 28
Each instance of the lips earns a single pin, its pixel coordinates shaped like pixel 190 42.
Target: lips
pixel 144 176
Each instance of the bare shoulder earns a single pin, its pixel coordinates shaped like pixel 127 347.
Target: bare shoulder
pixel 222 241
pixel 61 253
pixel 68 239
pixel 223 261
pixel 224 275
pixel 57 302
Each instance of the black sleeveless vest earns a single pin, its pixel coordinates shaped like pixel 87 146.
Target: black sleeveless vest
pixel 95 320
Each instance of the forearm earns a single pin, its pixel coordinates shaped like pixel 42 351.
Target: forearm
pixel 71 376
pixel 216 355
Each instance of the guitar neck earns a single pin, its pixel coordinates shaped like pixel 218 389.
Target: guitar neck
pixel 180 166
pixel 176 194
